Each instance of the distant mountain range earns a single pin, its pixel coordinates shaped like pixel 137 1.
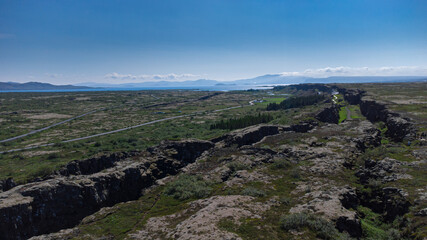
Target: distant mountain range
pixel 37 86
pixel 265 80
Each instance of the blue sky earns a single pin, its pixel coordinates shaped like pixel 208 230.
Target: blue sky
pixel 73 41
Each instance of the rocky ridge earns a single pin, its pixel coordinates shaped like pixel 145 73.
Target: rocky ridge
pixel 121 177
pixel 61 202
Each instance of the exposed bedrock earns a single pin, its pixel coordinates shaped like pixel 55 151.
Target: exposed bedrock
pixel 374 111
pixel 398 127
pixel 6 184
pixel 48 206
pixel 256 133
pixel 370 136
pixel 386 170
pixel 389 201
pixel 352 96
pixel 94 165
pixel 329 115
pixel 334 204
pixel 248 135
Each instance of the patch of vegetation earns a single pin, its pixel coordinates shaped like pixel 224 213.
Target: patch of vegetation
pixel 130 216
pixel 281 163
pixel 242 122
pixel 295 102
pixel 253 192
pixel 187 187
pixel 237 166
pixel 247 229
pixel 342 114
pixel 298 221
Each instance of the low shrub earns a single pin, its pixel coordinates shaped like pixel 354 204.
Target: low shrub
pixel 42 172
pixel 295 174
pixel 285 201
pixel 281 164
pixel 323 228
pixel 188 186
pixel 253 192
pixel 237 166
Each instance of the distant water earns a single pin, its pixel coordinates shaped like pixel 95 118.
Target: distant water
pixel 195 88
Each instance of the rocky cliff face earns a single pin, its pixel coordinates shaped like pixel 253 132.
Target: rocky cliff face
pixel 94 165
pixel 48 206
pixel 248 135
pixel 254 134
pixel 329 115
pixel 6 184
pixel 398 127
pixel 352 96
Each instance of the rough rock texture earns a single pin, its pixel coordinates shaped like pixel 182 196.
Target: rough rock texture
pixel 389 201
pixel 6 184
pixel 54 204
pixel 254 134
pixel 370 136
pixel 386 170
pixel 329 115
pixel 182 150
pixel 330 204
pixel 64 234
pixel 94 165
pixel 352 96
pixel 202 218
pixel 422 212
pixel 395 203
pixel 248 135
pixel 398 128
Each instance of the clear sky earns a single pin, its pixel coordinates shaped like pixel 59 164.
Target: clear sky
pixel 71 41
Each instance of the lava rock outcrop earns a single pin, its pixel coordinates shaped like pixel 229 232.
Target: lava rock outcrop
pixel 50 205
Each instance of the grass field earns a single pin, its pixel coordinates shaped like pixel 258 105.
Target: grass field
pixel 25 112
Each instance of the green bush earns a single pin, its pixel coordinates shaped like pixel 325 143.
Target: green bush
pixel 393 234
pixel 42 171
pixel 237 166
pixel 281 164
pixel 323 228
pixel 295 173
pixel 251 191
pixel 242 122
pixel 295 102
pixel 188 186
pixel 285 201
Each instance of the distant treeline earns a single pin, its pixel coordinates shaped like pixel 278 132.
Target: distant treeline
pixel 246 121
pixel 295 102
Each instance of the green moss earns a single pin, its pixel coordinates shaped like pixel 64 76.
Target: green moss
pixel 299 221
pixel 342 114
pixel 187 186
